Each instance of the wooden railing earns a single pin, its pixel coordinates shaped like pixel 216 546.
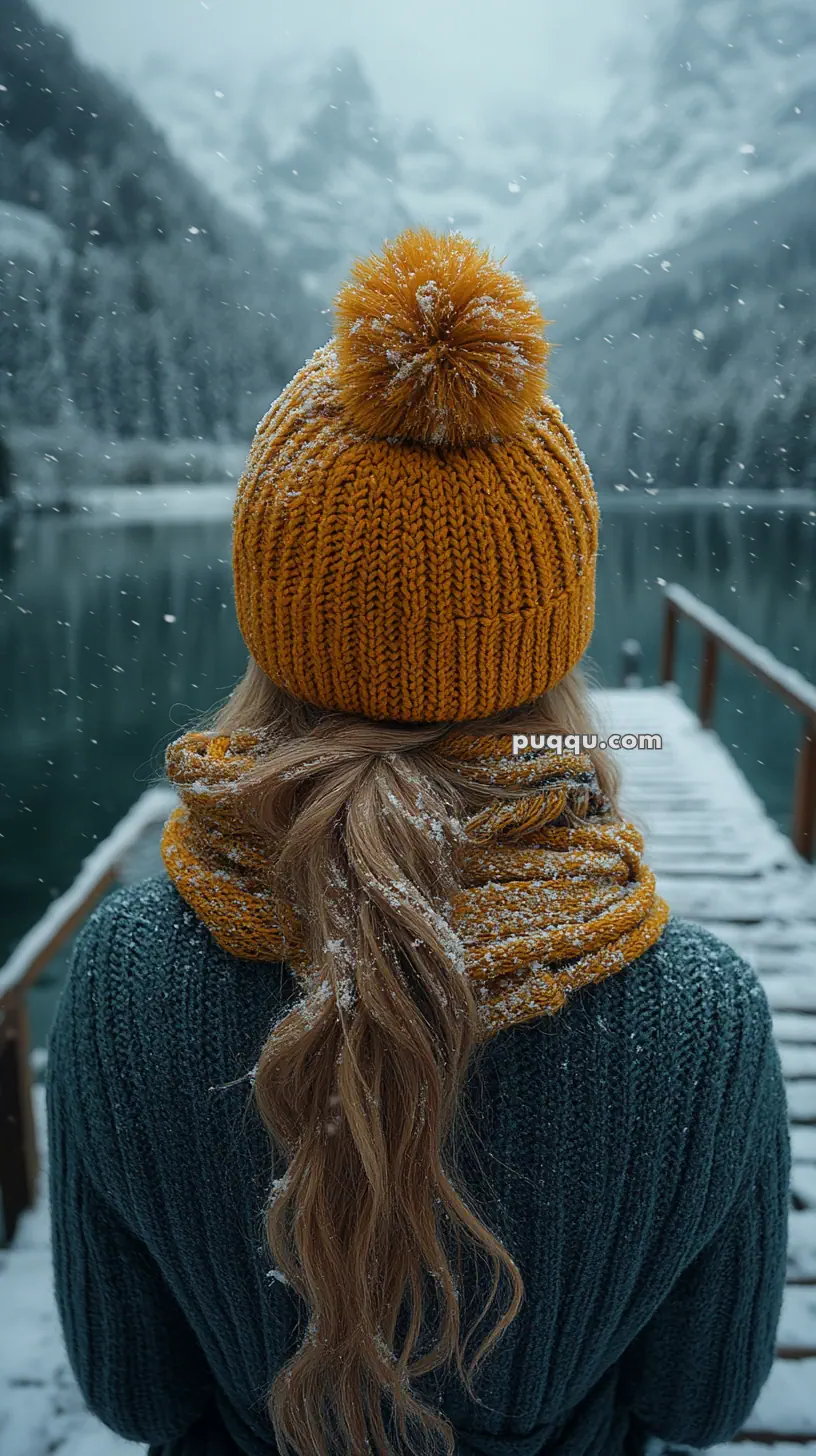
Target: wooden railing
pixel 788 684
pixel 18 1147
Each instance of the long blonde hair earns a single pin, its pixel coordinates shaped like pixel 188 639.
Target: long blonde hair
pixel 359 1087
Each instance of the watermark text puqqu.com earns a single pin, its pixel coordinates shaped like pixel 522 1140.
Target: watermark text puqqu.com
pixel 580 742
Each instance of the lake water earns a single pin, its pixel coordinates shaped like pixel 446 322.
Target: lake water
pixel 116 636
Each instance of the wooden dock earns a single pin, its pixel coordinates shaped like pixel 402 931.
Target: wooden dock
pixel 722 862
pixel 719 861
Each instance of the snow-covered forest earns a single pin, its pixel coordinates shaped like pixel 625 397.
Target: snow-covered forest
pixel 168 258
pixel 133 300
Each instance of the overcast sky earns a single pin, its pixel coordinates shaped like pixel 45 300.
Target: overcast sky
pixel 445 58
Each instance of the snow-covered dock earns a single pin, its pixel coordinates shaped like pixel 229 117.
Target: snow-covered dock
pixel 719 861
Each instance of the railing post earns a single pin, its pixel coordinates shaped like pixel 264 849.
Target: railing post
pixel 669 642
pixel 804 802
pixel 708 680
pixel 18 1148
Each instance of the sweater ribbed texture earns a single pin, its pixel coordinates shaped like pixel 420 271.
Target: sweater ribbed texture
pixel 631 1151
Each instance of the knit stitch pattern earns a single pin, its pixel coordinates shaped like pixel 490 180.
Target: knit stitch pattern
pixel 403 579
pixel 545 906
pixel 631 1152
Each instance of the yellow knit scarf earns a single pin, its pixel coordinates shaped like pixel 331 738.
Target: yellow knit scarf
pixel 544 908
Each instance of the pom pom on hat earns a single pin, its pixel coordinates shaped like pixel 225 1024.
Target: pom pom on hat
pixel 438 344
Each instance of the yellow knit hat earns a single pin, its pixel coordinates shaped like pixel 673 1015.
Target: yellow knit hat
pixel 415 533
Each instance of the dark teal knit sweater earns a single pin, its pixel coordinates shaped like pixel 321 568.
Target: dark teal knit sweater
pixel 634 1158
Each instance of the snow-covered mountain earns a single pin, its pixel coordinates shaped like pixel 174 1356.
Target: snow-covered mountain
pixel 310 155
pixel 726 115
pixel 682 280
pixel 303 156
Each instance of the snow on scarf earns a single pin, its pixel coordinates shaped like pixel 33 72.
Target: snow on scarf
pixel 545 906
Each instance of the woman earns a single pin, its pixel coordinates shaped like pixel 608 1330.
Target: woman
pixel 399 1115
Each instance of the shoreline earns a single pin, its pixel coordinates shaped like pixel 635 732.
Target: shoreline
pixel 214 500
pixel 176 500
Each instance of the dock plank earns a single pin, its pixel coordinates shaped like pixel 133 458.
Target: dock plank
pixel 803 1183
pixel 802 1100
pixel 803 1144
pixel 796 1334
pixel 791 1027
pixel 802 1245
pixel 786 1406
pixel 753 1448
pixel 799 1060
pixel 791 992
